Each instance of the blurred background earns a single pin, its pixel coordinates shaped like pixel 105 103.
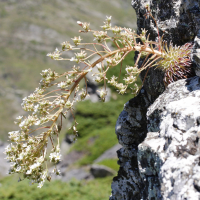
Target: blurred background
pixel 28 31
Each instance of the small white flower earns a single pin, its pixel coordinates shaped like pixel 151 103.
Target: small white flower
pixel 21 155
pixel 29 171
pixel 19 117
pixel 24 145
pixel 103 94
pixel 68 104
pixel 58 172
pixel 79 23
pixel 55 55
pixel 45 71
pixel 13 132
pixel 116 30
pixel 40 184
pixel 59 102
pixel 8 149
pixel 12 164
pixel 44 175
pixel 55 157
pixel 99 67
pixel 22 124
pixel 108 19
pixel 58 157
pixel 40 159
pixel 50 55
pixel 73 59
pixel 62 84
pixel 81 55
pixel 18 168
pixel 76 40
pixel 36 108
pixel 38 122
pixel 28 148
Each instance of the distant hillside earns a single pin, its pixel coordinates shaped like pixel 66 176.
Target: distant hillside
pixel 31 29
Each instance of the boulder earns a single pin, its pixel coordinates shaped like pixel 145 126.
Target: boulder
pixel 168 158
pixel 99 171
pixel 165 164
pixel 109 154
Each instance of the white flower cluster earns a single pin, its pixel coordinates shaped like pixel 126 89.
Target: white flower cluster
pixel 48 76
pixel 27 158
pixel 114 60
pixel 23 160
pixel 79 57
pixel 55 55
pixel 131 78
pixel 131 74
pixel 65 84
pixel 66 46
pixel 103 94
pixel 84 25
pixel 27 152
pixel 125 36
pixel 100 36
pixel 107 23
pixel 83 94
pixel 77 40
pixel 98 77
pixel 116 30
pixel 55 157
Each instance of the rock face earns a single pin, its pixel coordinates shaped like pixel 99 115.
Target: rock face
pixel 159 129
pixel 166 164
pixel 169 157
pixel 131 129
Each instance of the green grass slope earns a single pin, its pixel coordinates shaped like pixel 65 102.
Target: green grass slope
pixel 98 189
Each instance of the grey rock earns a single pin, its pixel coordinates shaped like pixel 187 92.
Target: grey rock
pixel 170 155
pixel 5 165
pixel 109 154
pixel 178 22
pixel 67 175
pixel 101 171
pixel 78 174
pixel 166 164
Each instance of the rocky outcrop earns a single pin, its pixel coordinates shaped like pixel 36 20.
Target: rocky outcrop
pixel 168 158
pixel 159 129
pixel 131 129
pixel 164 165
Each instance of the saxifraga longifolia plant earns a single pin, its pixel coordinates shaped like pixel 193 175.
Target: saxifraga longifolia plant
pixel 27 152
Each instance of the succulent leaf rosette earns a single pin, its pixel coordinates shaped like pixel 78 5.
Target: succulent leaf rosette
pixel 176 62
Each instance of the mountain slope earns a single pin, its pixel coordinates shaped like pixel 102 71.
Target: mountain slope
pixel 30 30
